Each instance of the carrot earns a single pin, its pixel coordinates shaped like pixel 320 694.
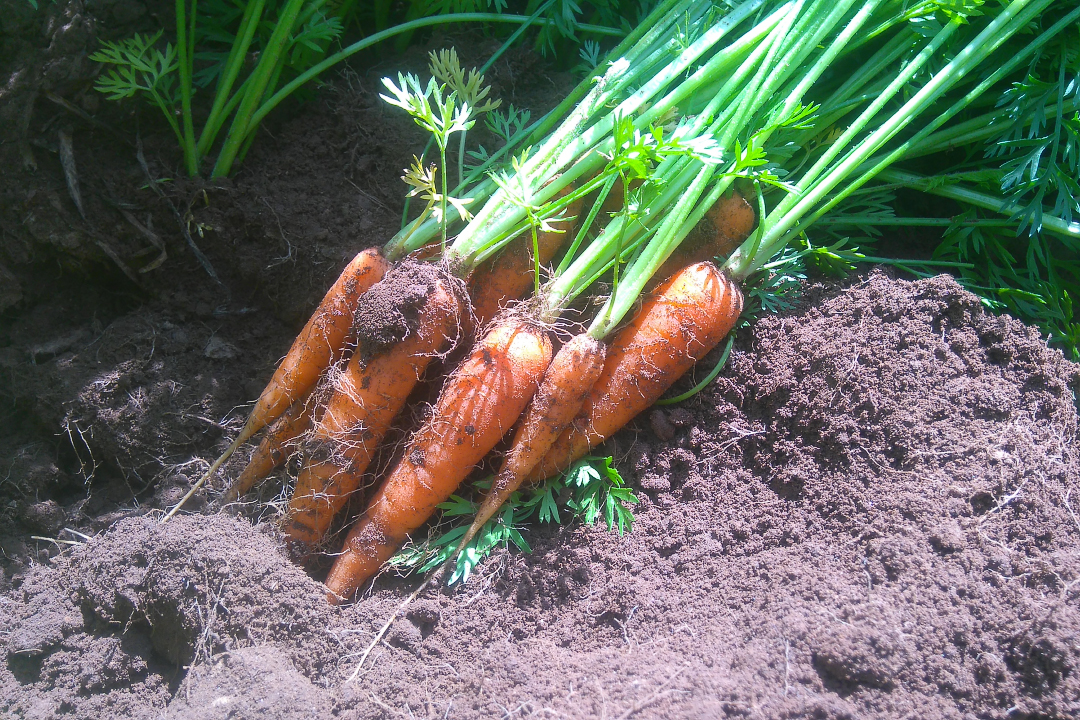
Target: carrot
pixel 680 324
pixel 274 447
pixel 566 384
pixel 509 275
pixel 317 346
pixel 320 342
pixel 367 395
pixel 479 403
pixel 726 224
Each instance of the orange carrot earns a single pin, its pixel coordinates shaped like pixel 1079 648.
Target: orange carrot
pixel 318 346
pixel 680 324
pixel 367 395
pixel 509 275
pixel 320 342
pixel 727 223
pixel 566 384
pixel 274 448
pixel 479 403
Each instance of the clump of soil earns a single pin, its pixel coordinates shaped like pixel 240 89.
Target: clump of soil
pixel 869 514
pixel 391 308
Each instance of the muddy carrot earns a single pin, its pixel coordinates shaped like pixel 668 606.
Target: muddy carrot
pixel 320 342
pixel 564 388
pixel 316 347
pixel 680 324
pixel 274 448
pixel 479 403
pixel 367 395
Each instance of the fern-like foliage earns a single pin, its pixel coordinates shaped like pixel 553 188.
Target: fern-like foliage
pixel 137 67
pixel 1040 150
pixel 591 490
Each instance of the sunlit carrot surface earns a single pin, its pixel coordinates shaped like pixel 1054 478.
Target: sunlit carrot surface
pixel 366 396
pixel 562 392
pixel 479 404
pixel 685 319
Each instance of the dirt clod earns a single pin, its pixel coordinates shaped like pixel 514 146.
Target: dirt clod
pixel 389 311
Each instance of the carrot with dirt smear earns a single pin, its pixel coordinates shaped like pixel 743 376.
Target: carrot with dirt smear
pixel 321 341
pixel 479 403
pixel 318 346
pixel 367 395
pixel 676 327
pixel 562 392
pixel 274 448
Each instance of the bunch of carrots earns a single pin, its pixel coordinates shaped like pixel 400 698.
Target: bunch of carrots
pixel 613 242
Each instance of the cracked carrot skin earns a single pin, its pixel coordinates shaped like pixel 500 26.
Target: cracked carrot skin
pixel 566 384
pixel 479 403
pixel 677 326
pixel 368 393
pixel 320 343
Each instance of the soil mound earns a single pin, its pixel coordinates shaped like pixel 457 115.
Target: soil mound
pixel 871 513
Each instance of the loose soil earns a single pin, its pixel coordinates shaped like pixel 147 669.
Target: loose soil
pixel 868 514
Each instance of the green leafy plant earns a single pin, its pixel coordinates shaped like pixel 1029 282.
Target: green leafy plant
pixel 141 68
pixel 589 491
pixel 291 39
pixel 254 54
pixel 449 103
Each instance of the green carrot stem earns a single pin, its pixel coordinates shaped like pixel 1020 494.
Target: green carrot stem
pixel 707 379
pixel 237 53
pixel 378 37
pixel 185 48
pixel 993 203
pixel 1011 19
pixel 244 120
pixel 904 149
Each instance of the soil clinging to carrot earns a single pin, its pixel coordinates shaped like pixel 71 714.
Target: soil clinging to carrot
pixel 391 309
pixel 870 514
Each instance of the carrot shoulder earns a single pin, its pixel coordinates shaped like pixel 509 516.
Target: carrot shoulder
pixel 509 275
pixel 727 223
pixel 676 327
pixel 479 403
pixel 368 393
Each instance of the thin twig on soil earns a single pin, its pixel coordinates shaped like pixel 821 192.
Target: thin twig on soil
pixel 152 182
pixel 76 110
pixel 390 621
pixel 657 694
pixel 71 176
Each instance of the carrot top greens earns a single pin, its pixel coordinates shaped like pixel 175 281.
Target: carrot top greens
pixel 802 104
pixel 590 490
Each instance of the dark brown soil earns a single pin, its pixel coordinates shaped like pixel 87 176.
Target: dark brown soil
pixel 391 308
pixel 868 514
